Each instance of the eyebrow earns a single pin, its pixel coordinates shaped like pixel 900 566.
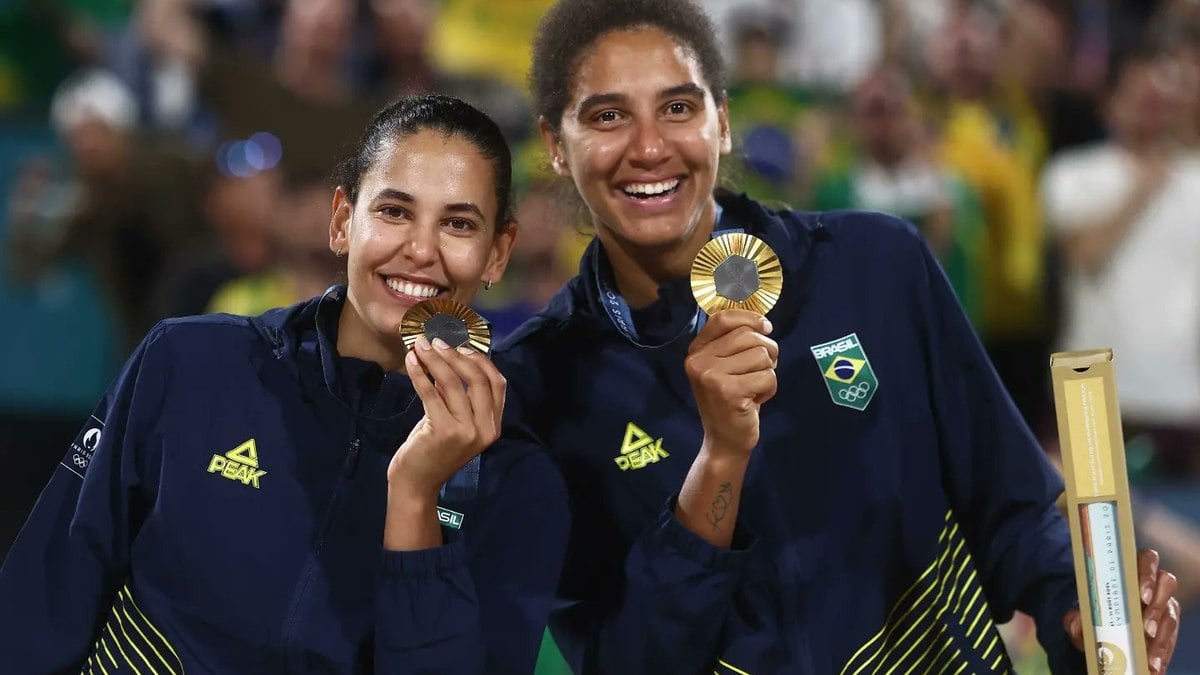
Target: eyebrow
pixel 456 207
pixel 685 89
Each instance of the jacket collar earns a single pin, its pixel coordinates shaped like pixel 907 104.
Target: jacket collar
pixel 304 337
pixel 791 239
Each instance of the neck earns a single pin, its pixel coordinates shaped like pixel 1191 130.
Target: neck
pixel 640 270
pixel 356 339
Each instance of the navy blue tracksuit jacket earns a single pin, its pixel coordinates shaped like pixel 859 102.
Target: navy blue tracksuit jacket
pixel 222 512
pixel 895 509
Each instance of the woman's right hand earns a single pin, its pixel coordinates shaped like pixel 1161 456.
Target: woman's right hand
pixel 463 395
pixel 731 365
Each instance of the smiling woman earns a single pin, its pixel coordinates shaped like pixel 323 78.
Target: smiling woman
pixel 411 216
pixel 375 533
pixel 841 487
pixel 643 151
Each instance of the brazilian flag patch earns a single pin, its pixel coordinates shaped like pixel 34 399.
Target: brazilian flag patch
pixel 847 371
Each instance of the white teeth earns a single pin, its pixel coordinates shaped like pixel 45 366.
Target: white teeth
pixel 409 288
pixel 652 188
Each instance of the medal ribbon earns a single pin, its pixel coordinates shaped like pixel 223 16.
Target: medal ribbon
pixel 618 309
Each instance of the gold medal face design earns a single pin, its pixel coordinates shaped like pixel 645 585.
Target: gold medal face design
pixel 737 271
pixel 455 323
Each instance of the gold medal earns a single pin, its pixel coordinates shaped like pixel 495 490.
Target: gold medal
pixel 737 271
pixel 453 322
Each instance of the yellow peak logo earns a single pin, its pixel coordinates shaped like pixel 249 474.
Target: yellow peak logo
pixel 639 449
pixel 240 463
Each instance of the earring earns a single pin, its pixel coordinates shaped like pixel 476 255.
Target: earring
pixel 487 284
pixel 339 252
pixel 558 163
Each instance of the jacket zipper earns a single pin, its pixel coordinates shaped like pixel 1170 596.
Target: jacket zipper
pixel 351 465
pixel 291 658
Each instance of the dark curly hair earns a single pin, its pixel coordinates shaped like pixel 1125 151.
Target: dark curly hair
pixel 571 27
pixel 412 114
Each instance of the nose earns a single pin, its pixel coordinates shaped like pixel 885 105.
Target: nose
pixel 649 147
pixel 420 244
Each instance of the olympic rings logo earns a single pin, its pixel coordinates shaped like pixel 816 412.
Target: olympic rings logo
pixel 852 394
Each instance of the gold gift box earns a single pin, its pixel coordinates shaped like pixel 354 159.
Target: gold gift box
pixel 1098 511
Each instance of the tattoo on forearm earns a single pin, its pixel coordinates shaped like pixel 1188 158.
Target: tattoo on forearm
pixel 720 506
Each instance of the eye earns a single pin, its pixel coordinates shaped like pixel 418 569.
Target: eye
pixel 393 212
pixel 679 108
pixel 461 225
pixel 608 116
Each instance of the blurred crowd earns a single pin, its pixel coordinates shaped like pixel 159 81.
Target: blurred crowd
pixel 171 157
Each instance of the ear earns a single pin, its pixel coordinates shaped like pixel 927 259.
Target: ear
pixel 723 126
pixel 339 222
pixel 553 143
pixel 502 246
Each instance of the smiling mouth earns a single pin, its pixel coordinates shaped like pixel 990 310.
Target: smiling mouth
pixel 644 191
pixel 413 289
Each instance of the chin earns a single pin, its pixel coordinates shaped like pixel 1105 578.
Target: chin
pixel 386 323
pixel 662 231
pixel 385 314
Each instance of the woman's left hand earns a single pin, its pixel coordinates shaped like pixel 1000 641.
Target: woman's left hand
pixel 1160 612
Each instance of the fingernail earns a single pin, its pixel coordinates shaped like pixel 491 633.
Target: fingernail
pixel 767 326
pixel 1147 594
pixel 466 351
pixel 1156 662
pixel 411 358
pixel 1152 627
pixel 423 344
pixel 440 343
pixel 1075 627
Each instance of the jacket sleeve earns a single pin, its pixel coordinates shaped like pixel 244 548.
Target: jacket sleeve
pixel 999 480
pixel 479 604
pixel 62 572
pixel 657 606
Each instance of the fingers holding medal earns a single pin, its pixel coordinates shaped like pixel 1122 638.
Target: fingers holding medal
pixel 736 279
pixel 460 388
